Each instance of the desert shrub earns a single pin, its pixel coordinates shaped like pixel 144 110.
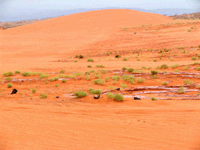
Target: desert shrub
pixel 153 99
pixel 96 76
pixel 34 90
pixel 75 61
pixel 131 81
pixel 186 68
pixel 87 77
pixel 164 66
pixel 128 78
pixel 97 66
pixel 43 96
pixel 155 60
pixel 123 85
pixel 52 79
pixel 62 71
pixel 117 56
pixel 181 90
pixel 89 66
pixel 175 66
pixel 56 78
pixel 176 70
pixel 198 68
pixel 93 91
pixel 154 72
pixel 138 59
pixel 137 71
pixel 106 79
pixel 164 83
pixel 130 70
pixel 124 68
pixel 8 79
pixel 56 85
pixel 76 56
pixel 187 82
pixel 17 72
pixel 110 95
pixel 124 59
pixel 9 85
pixel 80 56
pixel 118 97
pixel 104 71
pixel 90 60
pixel 64 81
pixel 154 77
pixel 198 86
pixel 43 76
pixel 63 76
pixel 8 74
pixel 46 82
pixel 140 80
pixel 194 58
pixel 26 74
pixel 116 78
pixel 36 73
pixel 80 94
pixel 99 81
pixel 101 66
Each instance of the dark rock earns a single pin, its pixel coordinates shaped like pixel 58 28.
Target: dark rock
pixel 96 96
pixel 118 89
pixel 117 56
pixel 137 98
pixel 57 96
pixel 134 32
pixel 14 91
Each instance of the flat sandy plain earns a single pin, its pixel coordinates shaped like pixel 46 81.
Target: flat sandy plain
pixel 146 40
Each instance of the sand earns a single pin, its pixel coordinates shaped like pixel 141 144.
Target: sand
pixel 49 46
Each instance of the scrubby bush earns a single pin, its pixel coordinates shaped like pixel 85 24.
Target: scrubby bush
pixel 46 82
pixel 155 60
pixel 164 66
pixel 99 82
pixel 130 70
pixel 154 72
pixel 17 72
pixel 8 79
pixel 90 60
pixel 118 97
pixel 96 76
pixel 125 59
pixel 8 74
pixel 124 68
pixel 43 76
pixel 80 56
pixel 80 94
pixel 26 74
pixel 56 85
pixel 43 96
pixel 140 80
pixel 104 71
pixel 89 66
pixel 186 68
pixel 93 91
pixel 106 79
pixel 62 71
pixel 110 95
pixel 154 77
pixel 176 70
pixel 198 68
pixel 153 99
pixel 123 85
pixel 188 82
pixel 175 66
pixel 64 81
pixel 34 90
pixel 116 78
pixel 164 83
pixel 181 90
pixel 9 85
pixel 87 77
pixel 52 79
pixel 128 78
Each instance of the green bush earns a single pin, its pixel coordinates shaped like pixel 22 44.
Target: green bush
pixel 124 68
pixel 116 78
pixel 175 66
pixel 87 77
pixel 34 90
pixel 42 96
pixel 46 82
pixel 153 99
pixel 154 72
pixel 164 83
pixel 64 81
pixel 8 74
pixel 194 58
pixel 154 77
pixel 9 85
pixel 164 66
pixel 176 70
pixel 110 95
pixel 52 79
pixel 99 81
pixel 186 68
pixel 17 72
pixel 125 59
pixel 62 71
pixel 26 74
pixel 80 94
pixel 56 85
pixel 198 68
pixel 43 76
pixel 93 91
pixel 123 85
pixel 140 80
pixel 181 90
pixel 155 60
pixel 80 56
pixel 89 66
pixel 96 76
pixel 90 60
pixel 92 71
pixel 187 82
pixel 128 78
pixel 130 70
pixel 106 79
pixel 8 79
pixel 118 97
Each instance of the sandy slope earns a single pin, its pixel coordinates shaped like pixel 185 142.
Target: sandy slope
pixel 67 123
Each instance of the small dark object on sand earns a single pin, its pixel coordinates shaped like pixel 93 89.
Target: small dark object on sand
pixel 96 96
pixel 57 96
pixel 14 91
pixel 117 56
pixel 137 98
pixel 118 89
pixel 134 32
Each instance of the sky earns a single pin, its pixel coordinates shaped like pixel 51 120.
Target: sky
pixel 15 7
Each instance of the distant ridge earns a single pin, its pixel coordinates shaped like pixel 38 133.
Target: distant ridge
pixel 186 16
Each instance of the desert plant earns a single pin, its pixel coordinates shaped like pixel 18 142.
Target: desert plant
pixel 87 77
pixel 52 79
pixel 80 56
pixel 80 94
pixel 93 91
pixel 56 85
pixel 104 71
pixel 154 72
pixel 116 78
pixel 99 81
pixel 164 66
pixel 130 70
pixel 8 79
pixel 118 97
pixel 140 80
pixel 187 82
pixel 106 79
pixel 154 77
pixel 186 68
pixel 62 71
pixel 75 61
pixel 43 96
pixel 181 90
pixel 89 66
pixel 43 76
pixel 9 85
pixel 194 58
pixel 176 70
pixel 17 72
pixel 90 60
pixel 34 90
pixel 128 78
pixel 46 82
pixel 153 99
pixel 64 81
pixel 164 83
pixel 125 59
pixel 8 74
pixel 175 66
pixel 155 60
pixel 123 85
pixel 96 76
pixel 110 95
pixel 124 68
pixel 26 74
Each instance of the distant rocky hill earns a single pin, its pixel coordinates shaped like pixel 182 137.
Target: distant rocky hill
pixel 186 16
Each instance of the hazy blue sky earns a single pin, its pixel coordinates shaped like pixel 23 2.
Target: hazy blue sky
pixel 14 8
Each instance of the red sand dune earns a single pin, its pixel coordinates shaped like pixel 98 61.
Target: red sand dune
pixel 33 123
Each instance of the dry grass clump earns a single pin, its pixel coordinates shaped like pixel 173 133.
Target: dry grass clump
pixel 99 82
pixel 9 85
pixel 110 95
pixel 118 97
pixel 10 73
pixel 93 91
pixel 42 96
pixel 80 94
